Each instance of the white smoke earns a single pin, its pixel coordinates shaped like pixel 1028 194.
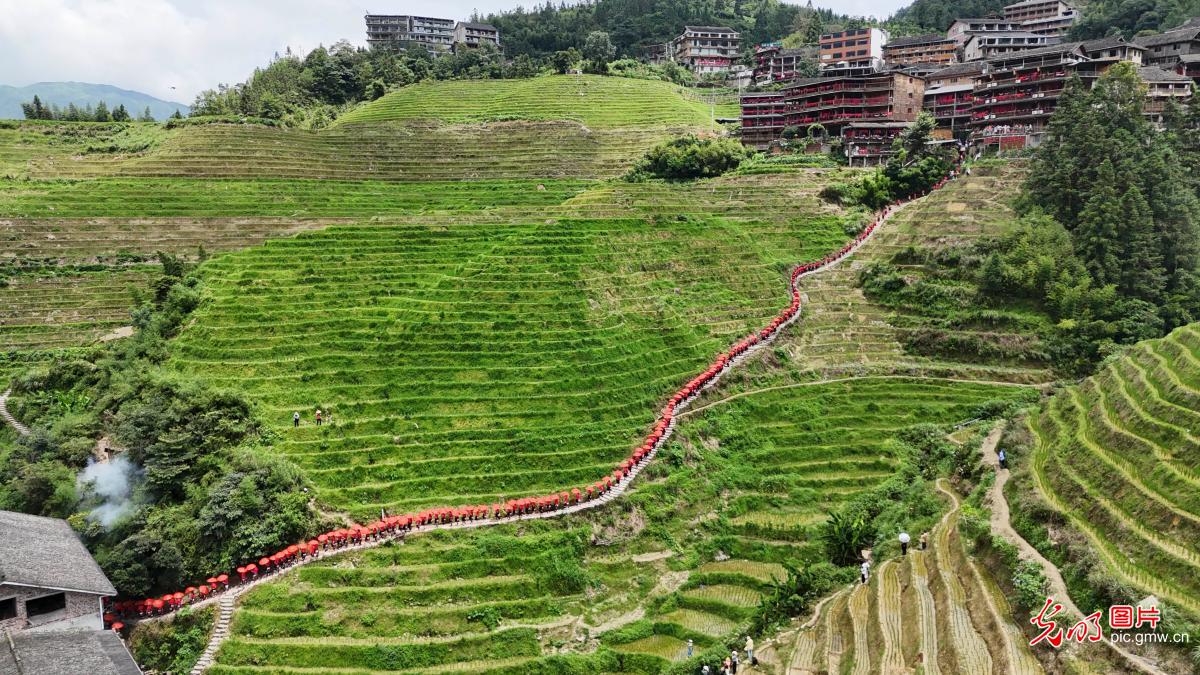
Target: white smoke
pixel 112 484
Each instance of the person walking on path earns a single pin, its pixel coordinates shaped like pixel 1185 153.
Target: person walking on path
pixel 295 419
pixel 904 538
pixel 734 657
pixel 865 571
pixel 705 670
pixel 318 417
pixel 750 650
pixel 924 540
pixel 689 651
pixel 727 667
pixel 1003 460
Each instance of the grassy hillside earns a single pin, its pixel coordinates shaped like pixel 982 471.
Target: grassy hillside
pixel 461 365
pixel 1119 456
pixel 748 482
pixel 595 101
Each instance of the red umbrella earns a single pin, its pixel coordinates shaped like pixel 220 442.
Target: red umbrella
pixel 223 578
pixel 158 604
pixel 203 590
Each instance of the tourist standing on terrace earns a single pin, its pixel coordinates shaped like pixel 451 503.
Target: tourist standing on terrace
pixel 295 419
pixel 904 539
pixel 318 417
pixel 1003 459
pixel 865 571
pixel 749 650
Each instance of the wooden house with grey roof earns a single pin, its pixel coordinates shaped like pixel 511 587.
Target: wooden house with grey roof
pixel 48 580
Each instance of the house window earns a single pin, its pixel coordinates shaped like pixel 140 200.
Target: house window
pixel 45 604
pixel 8 608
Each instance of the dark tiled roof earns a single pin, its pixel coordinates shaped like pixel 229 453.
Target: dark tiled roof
pixel 478 26
pixel 1061 48
pixel 45 552
pixel 917 40
pixel 1027 3
pixel 957 69
pixel 1186 34
pixel 710 29
pixel 1104 43
pixel 1156 74
pixel 73 652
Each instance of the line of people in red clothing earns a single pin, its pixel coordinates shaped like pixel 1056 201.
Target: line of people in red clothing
pixel 395 526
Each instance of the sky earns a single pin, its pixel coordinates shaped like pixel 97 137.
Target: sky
pixel 173 49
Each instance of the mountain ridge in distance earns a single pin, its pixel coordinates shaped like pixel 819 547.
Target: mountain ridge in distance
pixel 82 94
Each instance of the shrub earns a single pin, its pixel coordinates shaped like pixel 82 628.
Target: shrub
pixel 689 158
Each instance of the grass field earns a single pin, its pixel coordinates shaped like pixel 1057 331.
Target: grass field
pixel 461 365
pixel 595 101
pixel 427 589
pixel 1119 456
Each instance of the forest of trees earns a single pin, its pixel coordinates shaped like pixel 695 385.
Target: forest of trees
pixel 636 24
pixel 1126 196
pixel 1102 18
pixel 36 110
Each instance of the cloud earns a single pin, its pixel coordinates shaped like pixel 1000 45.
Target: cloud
pixel 173 49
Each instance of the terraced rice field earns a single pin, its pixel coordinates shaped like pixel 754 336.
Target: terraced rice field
pixel 757 451
pixel 71 310
pixel 1119 455
pixel 931 611
pixel 398 151
pixel 588 99
pixel 845 333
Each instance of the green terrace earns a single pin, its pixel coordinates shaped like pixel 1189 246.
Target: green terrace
pixel 1119 455
pixel 593 100
pixel 542 589
pixel 461 364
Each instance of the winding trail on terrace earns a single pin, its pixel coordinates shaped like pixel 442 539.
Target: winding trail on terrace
pixel 227 597
pixel 1001 524
pixel 21 429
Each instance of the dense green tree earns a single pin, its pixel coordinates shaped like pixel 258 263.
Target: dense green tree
pixel 564 60
pixel 146 115
pixel 101 113
pixel 120 114
pixel 597 51
pixel 1122 191
pixel 1131 17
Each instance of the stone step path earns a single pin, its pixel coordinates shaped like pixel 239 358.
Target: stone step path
pixel 220 632
pixel 21 429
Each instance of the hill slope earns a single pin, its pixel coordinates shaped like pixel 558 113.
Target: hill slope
pixel 82 94
pixel 1119 455
pixel 596 101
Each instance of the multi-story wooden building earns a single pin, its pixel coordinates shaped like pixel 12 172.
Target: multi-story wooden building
pixel 1166 49
pixel 1162 87
pixel 871 143
pixel 1189 65
pixel 983 46
pixel 1029 10
pixel 949 97
pixel 402 31
pixel 1016 95
pixel 707 49
pixel 962 29
pixel 773 63
pixel 855 49
pixel 469 34
pixel 933 48
pixel 832 102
